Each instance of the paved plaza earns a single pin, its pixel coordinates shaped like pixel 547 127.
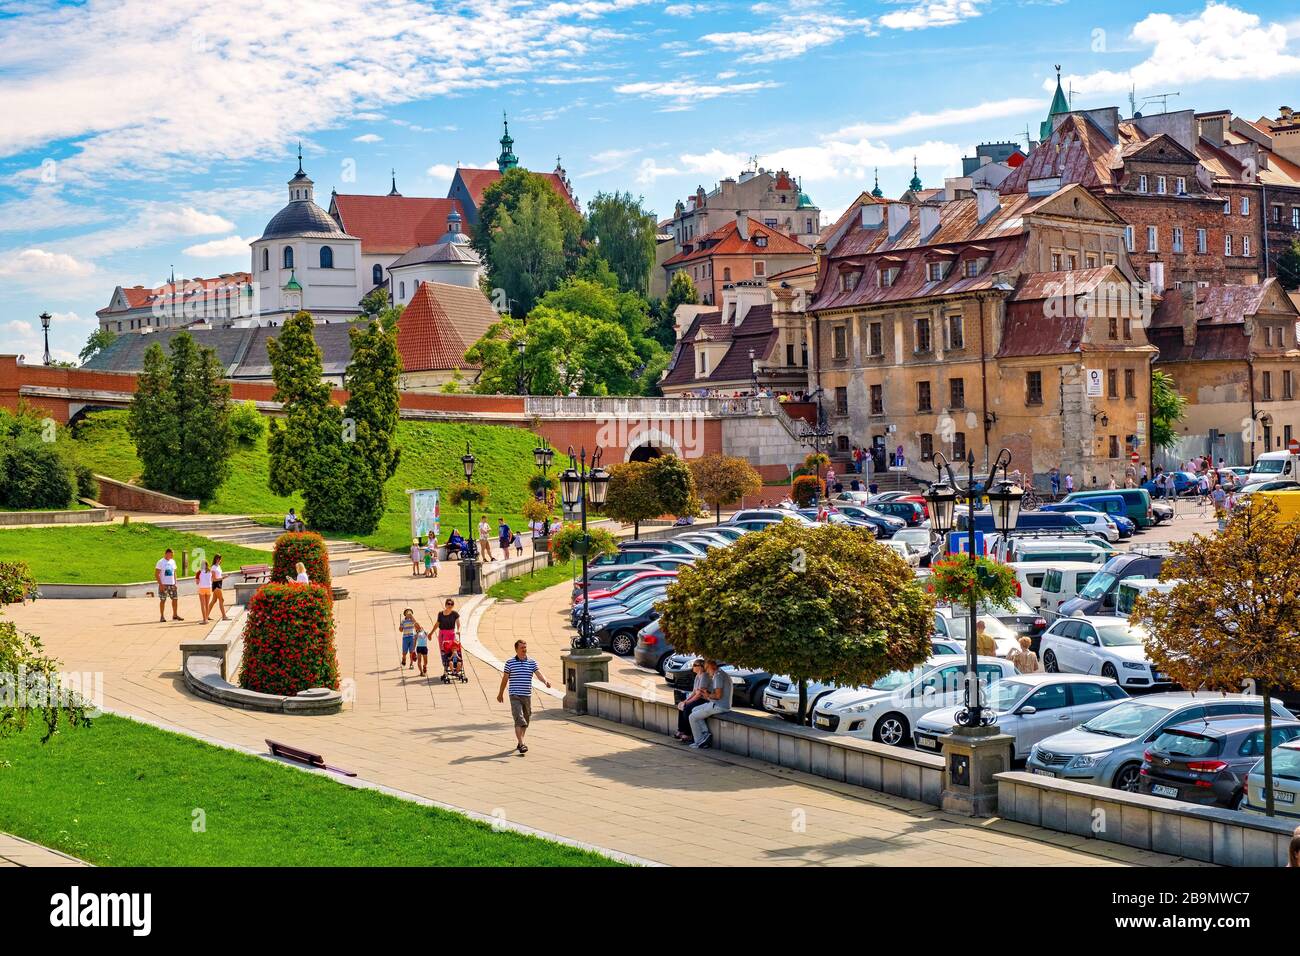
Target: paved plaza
pixel 585 780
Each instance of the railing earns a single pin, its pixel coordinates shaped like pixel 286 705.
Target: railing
pixel 626 407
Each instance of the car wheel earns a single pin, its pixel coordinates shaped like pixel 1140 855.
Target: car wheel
pixel 662 663
pixel 622 643
pixel 1108 670
pixel 812 705
pixel 1127 778
pixel 892 729
pixel 756 695
pixel 1049 663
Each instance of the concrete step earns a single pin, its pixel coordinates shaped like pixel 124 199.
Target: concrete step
pixel 375 562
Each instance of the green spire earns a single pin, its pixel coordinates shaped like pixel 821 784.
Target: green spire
pixel 293 285
pixel 1060 106
pixel 878 192
pixel 507 159
pixel 915 184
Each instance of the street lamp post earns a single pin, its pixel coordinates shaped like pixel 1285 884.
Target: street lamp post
pixel 521 384
pixel 813 438
pixel 542 456
pixel 45 324
pixel 753 372
pixel 469 569
pixel 576 486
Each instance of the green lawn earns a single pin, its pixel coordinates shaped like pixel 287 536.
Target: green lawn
pixel 121 793
pixel 431 453
pixel 516 589
pixel 110 554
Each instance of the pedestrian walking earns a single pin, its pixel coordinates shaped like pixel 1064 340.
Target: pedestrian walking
pixel 517 675
pixel 484 540
pixel 203 581
pixel 408 627
pixel 422 650
pixel 518 542
pixel 718 702
pixel 164 573
pixel 1055 477
pixel 1069 483
pixel 218 576
pixel 1024 658
pixel 431 558
pixel 415 557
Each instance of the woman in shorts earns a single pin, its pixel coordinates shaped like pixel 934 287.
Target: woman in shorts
pixel 449 637
pixel 408 629
pixel 218 598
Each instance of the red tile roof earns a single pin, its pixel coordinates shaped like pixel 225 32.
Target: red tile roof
pixel 391 225
pixel 1077 151
pixel 439 324
pixel 727 241
pixel 1027 331
pixel 478 180
pixel 184 292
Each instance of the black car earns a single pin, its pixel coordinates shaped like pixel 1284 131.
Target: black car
pixel 884 525
pixel 1206 761
pixel 748 686
pixel 908 511
pixel 618 634
pixel 1099 594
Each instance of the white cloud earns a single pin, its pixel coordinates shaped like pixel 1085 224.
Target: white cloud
pixel 790 36
pixel 215 248
pixel 1220 43
pixel 45 208
pixel 441 171
pixel 147 86
pixel 684 10
pixel 43 264
pixel 957 116
pixel 607 161
pixel 933 13
pixel 685 91
pixel 28 338
pixel 367 138
pixel 649 171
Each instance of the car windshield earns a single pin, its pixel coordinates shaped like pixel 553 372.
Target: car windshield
pixel 1187 745
pixel 1099 586
pixel 1268 466
pixel 1003 695
pixel 1119 635
pixel 1126 720
pixel 1014 606
pixel 992 627
pixel 1286 763
pixel 897 679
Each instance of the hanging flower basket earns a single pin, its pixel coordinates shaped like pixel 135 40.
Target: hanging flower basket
pixel 957 579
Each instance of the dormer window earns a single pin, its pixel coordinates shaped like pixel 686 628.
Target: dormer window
pixel 974 267
pixel 1160 185
pixel 1142 184
pixel 1180 186
pixel 849 280
pixel 760 240
pixel 934 271
pixel 888 276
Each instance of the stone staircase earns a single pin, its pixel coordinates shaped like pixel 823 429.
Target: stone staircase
pixel 236 529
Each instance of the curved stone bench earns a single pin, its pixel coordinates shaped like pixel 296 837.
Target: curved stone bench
pixel 207 665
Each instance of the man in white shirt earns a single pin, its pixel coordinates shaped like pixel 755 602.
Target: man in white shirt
pixel 164 572
pixel 485 540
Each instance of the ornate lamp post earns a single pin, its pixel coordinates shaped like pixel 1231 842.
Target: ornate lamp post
pixel 45 324
pixel 469 569
pixel 813 438
pixel 542 456
pixel 577 486
pixel 521 384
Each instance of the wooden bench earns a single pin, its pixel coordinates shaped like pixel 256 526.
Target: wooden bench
pixel 255 572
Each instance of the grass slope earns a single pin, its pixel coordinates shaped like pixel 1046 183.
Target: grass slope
pixel 516 589
pixel 431 453
pixel 121 793
pixel 111 554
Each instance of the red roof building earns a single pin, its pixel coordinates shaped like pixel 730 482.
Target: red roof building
pixel 437 327
pixel 392 224
pixel 217 301
pixel 740 250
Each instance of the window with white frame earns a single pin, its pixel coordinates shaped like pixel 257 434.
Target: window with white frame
pixel 887 276
pixel 1128 238
pixel 1180 186
pixel 1245 245
pixel 1142 184
pixel 1227 207
pixel 1161 188
pixel 1153 239
pixel 1245 205
pixel 934 270
pixel 1178 239
pixel 1227 245
pixel 1202 243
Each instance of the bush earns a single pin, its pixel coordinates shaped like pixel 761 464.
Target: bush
pixel 289 640
pixel 16 582
pixel 566 541
pixel 307 547
pixel 806 489
pixel 87 486
pixel 246 423
pixel 35 474
pixel 535 510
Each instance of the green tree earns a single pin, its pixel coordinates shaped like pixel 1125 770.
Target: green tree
pixel 99 340
pixel 632 496
pixel 624 235
pixel 674 484
pixel 824 603
pixel 1167 407
pixel 180 419
pixel 371 415
pixel 527 257
pixel 1232 620
pixel 1288 266
pixel 375 305
pixel 681 291
pixel 506 195
pixel 723 480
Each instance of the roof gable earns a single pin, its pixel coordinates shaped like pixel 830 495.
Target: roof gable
pixel 439 325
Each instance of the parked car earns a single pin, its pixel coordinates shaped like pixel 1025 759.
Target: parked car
pixel 1108 646
pixel 618 631
pixel 886 525
pixel 905 551
pixel 1286 784
pixel 667 546
pixel 917 538
pixel 748 685
pixel 1185 483
pixel 1133 588
pixel 836 517
pixel 629 554
pixel 1024 621
pixel 1107 749
pixel 1161 511
pixel 780 514
pixel 652 648
pixel 607 577
pixel 1207 761
pixel 1030 708
pixel 887 711
pixel 756 524
pixel 1137 502
pixel 909 511
pixel 1029 579
pixel 628 586
pixel 613 608
pixel 1063 583
pixel 1272 465
pixel 1112 506
pixel 782 695
pixel 952 623
pixel 1099 594
pixel 666 562
pixel 1042 548
pixel 1097 523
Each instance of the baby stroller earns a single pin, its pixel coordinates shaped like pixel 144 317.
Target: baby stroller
pixel 453 662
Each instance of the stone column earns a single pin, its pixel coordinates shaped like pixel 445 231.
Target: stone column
pixel 582 666
pixel 974 755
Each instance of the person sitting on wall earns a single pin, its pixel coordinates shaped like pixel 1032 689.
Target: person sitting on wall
pixel 455 545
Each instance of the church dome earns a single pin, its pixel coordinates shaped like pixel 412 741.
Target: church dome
pixel 303 219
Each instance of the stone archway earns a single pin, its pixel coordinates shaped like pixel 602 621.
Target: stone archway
pixel 643 453
pixel 649 443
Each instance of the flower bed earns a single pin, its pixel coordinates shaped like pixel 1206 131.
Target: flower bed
pixel 289 640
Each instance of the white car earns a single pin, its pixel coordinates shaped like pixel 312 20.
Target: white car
pixel 952 623
pixel 887 711
pixel 1029 707
pixel 1108 646
pixel 1286 784
pixel 1097 523
pixel 905 551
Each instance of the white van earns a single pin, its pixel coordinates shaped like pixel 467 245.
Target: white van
pixel 1064 581
pixel 1056 550
pixel 1134 588
pixel 1029 575
pixel 1275 466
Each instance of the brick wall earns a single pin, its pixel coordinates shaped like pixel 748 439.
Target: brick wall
pixel 126 497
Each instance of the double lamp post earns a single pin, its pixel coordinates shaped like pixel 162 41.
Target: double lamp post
pixel 578 486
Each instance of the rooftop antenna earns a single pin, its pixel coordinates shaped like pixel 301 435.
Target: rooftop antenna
pixel 1162 97
pixel 1069 94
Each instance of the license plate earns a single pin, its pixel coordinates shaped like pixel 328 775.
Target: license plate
pixel 929 743
pixel 823 722
pixel 1162 791
pixel 1160 676
pixel 1044 773
pixel 1282 796
pixel 772 702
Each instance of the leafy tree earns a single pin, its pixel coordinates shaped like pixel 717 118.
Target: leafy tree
pixel 503 200
pixel 594 268
pixel 674 484
pixel 99 340
pixel 1232 622
pixel 527 256
pixel 805 489
pixel 722 479
pixel 681 291
pixel 371 415
pixel 824 603
pixel 35 475
pixel 1167 407
pixel 375 305
pixel 1288 266
pixel 180 419
pixel 624 235
pixel 632 496
pixel 246 423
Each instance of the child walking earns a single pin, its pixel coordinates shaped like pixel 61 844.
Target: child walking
pixel 431 559
pixel 408 628
pixel 422 651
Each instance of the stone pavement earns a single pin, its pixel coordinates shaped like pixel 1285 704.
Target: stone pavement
pixel 18 852
pixel 583 779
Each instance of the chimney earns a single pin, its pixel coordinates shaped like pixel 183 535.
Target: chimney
pixel 873 214
pixel 742 223
pixel 987 202
pixel 1188 316
pixel 929 221
pixel 900 214
pixel 1157 273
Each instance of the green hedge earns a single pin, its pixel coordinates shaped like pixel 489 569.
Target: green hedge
pixel 307 547
pixel 289 640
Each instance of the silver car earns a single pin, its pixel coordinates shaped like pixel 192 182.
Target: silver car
pixel 1107 749
pixel 1029 707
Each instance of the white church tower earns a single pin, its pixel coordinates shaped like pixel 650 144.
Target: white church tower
pixel 304 260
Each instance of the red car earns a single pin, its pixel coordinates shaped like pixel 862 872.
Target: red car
pixel 626 583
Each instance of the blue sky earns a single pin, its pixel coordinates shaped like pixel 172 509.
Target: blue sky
pixel 141 135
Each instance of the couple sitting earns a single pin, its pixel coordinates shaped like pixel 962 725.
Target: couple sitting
pixel 711 694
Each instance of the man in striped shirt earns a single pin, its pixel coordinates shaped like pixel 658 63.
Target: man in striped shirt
pixel 517 675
